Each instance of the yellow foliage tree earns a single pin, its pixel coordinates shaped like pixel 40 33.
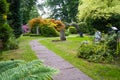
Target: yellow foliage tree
pixel 57 24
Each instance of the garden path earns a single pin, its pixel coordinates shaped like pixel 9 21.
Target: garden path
pixel 67 71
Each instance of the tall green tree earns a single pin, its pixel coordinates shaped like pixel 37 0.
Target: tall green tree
pixel 3 11
pixel 101 16
pixel 65 10
pixel 5 29
pixel 14 17
pixel 20 12
pixel 34 12
pixel 28 10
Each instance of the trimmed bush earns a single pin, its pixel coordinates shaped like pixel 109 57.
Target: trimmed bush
pixel 49 32
pixel 72 30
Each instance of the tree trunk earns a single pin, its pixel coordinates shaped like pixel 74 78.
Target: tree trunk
pixel 77 27
pixel 1 44
pixel 37 30
pixel 62 35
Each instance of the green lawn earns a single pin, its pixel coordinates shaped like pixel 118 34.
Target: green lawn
pixel 24 52
pixel 68 49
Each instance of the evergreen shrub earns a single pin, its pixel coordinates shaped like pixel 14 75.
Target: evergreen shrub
pixel 72 30
pixel 49 31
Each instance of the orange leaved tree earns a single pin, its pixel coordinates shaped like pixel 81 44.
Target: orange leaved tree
pixel 60 27
pixel 56 24
pixel 35 22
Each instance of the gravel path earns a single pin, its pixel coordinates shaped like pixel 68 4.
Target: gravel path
pixel 67 71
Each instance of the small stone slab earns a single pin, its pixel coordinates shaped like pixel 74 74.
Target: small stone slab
pixel 45 51
pixel 71 74
pixel 59 65
pixel 45 55
pixel 51 59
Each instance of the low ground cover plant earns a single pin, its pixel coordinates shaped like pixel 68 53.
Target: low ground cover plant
pixel 105 51
pixel 21 70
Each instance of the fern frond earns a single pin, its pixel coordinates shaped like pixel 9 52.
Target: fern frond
pixel 5 65
pixel 31 71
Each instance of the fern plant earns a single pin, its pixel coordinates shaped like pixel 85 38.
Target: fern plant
pixel 21 70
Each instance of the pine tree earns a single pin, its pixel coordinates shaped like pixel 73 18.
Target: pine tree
pixel 14 17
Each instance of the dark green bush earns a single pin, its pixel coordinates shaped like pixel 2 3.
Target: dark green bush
pixel 49 31
pixel 72 30
pixel 111 41
pixel 34 30
pixel 12 43
pixel 83 27
pixel 5 32
pixel 95 53
pixel 66 33
pixel 7 37
pixel 86 28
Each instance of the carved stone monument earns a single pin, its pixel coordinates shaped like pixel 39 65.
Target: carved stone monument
pixel 98 36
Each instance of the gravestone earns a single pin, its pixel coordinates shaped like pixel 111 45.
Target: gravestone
pixel 119 36
pixel 98 36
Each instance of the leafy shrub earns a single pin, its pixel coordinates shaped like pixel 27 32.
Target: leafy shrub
pixel 21 70
pixel 66 33
pixel 49 31
pixel 12 43
pixel 72 30
pixel 95 53
pixel 5 33
pixel 111 41
pixel 7 37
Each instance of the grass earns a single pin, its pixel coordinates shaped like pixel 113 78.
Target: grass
pixel 68 49
pixel 24 52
